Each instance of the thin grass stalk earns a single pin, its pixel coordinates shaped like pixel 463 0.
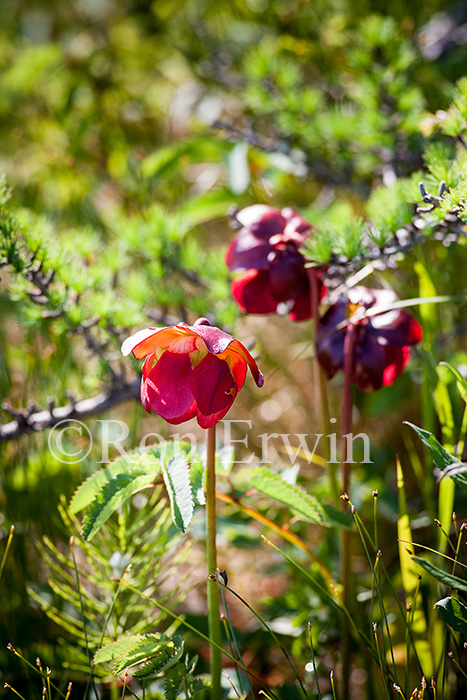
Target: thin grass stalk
pixel 214 622
pixel 314 662
pixel 380 661
pixel 11 648
pixel 234 645
pixel 391 585
pixel 380 597
pixel 186 624
pixel 273 635
pixel 7 547
pixel 83 618
pixel 106 622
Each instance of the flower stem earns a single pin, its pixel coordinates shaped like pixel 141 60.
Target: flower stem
pixel 346 428
pixel 320 381
pixel 211 556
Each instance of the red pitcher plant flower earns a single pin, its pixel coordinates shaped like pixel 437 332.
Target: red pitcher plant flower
pixel 190 371
pixel 381 347
pixel 266 251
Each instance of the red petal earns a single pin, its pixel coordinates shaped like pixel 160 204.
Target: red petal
pixel 301 309
pixel 168 386
pixel 212 385
pixel 287 275
pixel 252 292
pixel 188 415
pixel 209 421
pixel 247 251
pixel 261 220
pixel 396 360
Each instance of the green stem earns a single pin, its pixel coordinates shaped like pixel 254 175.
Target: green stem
pixel 211 556
pixel 346 428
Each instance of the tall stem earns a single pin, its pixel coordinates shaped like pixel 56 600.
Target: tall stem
pixel 211 556
pixel 345 472
pixel 320 380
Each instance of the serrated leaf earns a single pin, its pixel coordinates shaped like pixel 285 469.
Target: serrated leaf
pixel 301 503
pixel 174 681
pixel 111 651
pixel 442 576
pixel 197 478
pixel 446 462
pixel 177 481
pixel 156 653
pixel 454 613
pixel 134 461
pixel 112 495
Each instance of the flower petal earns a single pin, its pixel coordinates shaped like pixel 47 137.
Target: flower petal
pixel 369 365
pixel 252 292
pixel 395 329
pixel 287 275
pixel 212 385
pixel 396 360
pixel 209 421
pixel 247 251
pixel 301 308
pixel 168 386
pixel 261 220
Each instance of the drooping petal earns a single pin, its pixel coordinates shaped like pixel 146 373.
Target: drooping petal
pixel 252 292
pixel 301 307
pixel 188 415
pixel 130 343
pixel 396 360
pixel 395 329
pixel 369 365
pixel 149 340
pixel 168 386
pixel 209 421
pixel 144 396
pixel 213 338
pixel 247 251
pixel 330 351
pixel 261 220
pixel 295 222
pixel 234 352
pixel 287 275
pixel 212 385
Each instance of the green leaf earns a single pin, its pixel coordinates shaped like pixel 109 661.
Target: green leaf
pixel 135 461
pixel 111 651
pixel 454 613
pixel 301 503
pixel 446 462
pixel 461 383
pixel 117 490
pixel 197 478
pixel 177 481
pixel 153 653
pixel 442 576
pixel 174 681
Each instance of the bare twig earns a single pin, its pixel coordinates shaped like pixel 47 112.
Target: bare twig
pixel 25 421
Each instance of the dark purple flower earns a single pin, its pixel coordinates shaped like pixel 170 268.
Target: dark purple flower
pixel 381 343
pixel 190 371
pixel 266 251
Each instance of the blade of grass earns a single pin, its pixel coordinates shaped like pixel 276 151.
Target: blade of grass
pixel 7 547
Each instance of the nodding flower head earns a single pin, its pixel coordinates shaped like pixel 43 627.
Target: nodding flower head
pixel 266 253
pixel 190 371
pixel 381 343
